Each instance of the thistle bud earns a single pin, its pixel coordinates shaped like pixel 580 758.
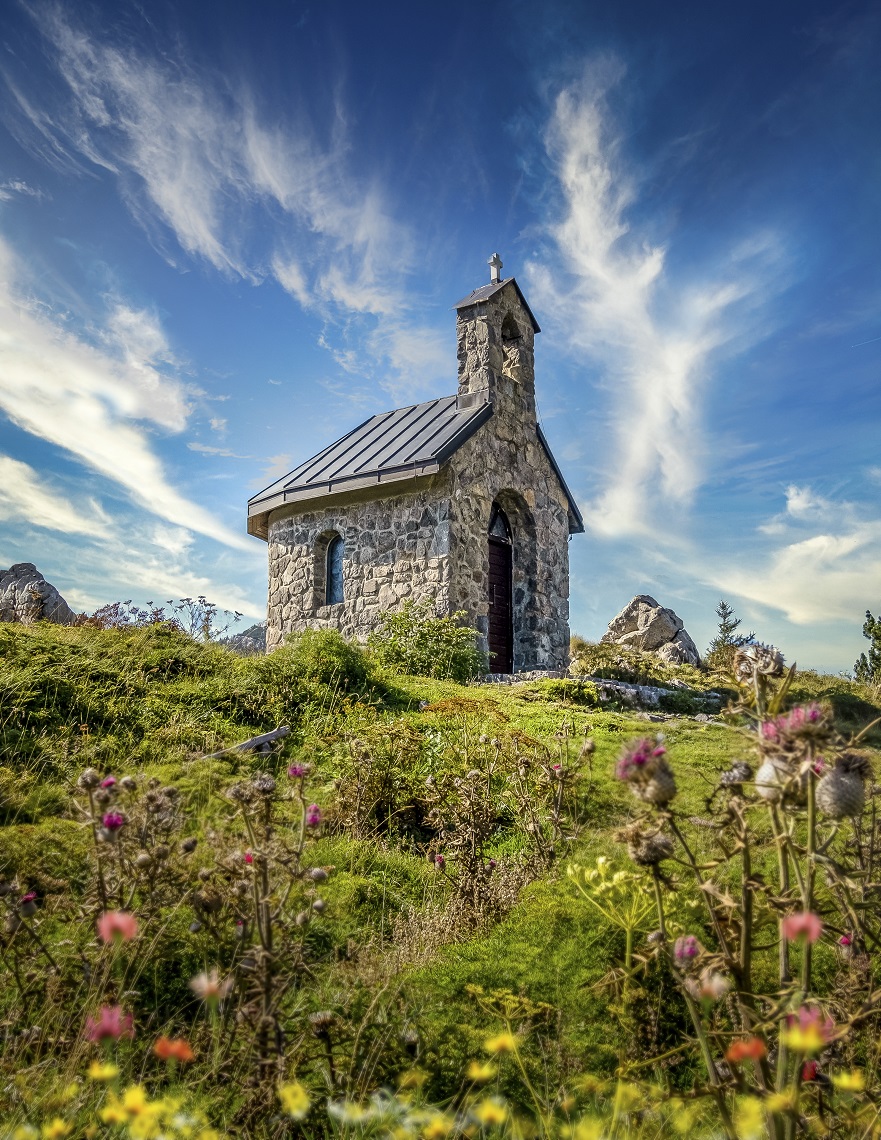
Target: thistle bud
pixel 318 875
pixel 128 784
pixel 144 859
pixel 90 778
pixel 189 845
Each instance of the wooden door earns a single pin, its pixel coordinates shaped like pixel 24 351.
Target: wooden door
pixel 501 625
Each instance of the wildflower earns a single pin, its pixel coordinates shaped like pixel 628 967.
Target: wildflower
pixel 802 925
pixel 294 1099
pixel 113 1112
pixel 854 1081
pixel 807 1031
pixel 438 1125
pixel 489 1112
pixel 102 1071
pixel 686 949
pixel 313 815
pixel 750 1049
pixel 209 987
pixel 412 1079
pixel 27 904
pixel 113 821
pixel 264 783
pixel 55 1129
pixel 128 784
pixel 249 858
pixel 108 782
pixel 643 765
pixel 637 756
pixel 25 1132
pixel 845 940
pixel 749 1118
pixel 134 1100
pixel 781 1102
pixel 440 862
pixel 117 923
pixel 710 986
pixel 503 1043
pixel 89 779
pixel 348 1112
pixel 173 1049
pixel 755 659
pixel 809 1071
pixel 481 1071
pixel 111 1023
pixel 298 771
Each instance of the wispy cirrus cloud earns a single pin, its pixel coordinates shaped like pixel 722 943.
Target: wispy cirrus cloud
pixel 99 402
pixel 194 158
pixel 652 334
pixel 26 497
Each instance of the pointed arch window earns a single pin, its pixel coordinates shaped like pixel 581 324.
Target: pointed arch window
pixel 333 589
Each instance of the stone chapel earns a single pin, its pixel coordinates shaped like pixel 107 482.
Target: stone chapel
pixel 458 500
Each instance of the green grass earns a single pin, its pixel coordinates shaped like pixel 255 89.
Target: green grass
pixel 154 702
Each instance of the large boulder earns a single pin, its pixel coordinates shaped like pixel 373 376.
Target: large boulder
pixel 26 596
pixel 647 625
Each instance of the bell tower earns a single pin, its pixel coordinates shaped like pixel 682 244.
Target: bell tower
pixel 495 347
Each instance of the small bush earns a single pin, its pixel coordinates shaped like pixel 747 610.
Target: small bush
pixel 414 641
pixel 323 657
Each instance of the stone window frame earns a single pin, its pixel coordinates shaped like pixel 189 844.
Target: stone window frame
pixel 321 555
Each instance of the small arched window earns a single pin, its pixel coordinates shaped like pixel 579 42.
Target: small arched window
pixel 333 589
pixel 510 330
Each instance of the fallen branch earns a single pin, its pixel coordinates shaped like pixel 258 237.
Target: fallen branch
pixel 256 743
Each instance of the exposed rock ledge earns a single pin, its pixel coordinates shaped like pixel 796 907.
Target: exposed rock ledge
pixel 26 596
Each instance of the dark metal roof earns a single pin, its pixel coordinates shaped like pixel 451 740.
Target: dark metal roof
pixel 401 444
pixel 486 291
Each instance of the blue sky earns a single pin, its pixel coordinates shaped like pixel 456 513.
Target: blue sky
pixel 229 232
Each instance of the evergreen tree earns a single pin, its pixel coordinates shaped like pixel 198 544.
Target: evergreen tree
pixel 720 654
pixel 868 665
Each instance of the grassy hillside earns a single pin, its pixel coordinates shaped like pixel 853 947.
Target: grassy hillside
pixel 385 891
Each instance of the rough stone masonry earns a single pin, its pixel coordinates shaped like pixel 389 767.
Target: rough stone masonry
pixel 411 496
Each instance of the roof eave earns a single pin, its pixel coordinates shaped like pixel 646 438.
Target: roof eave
pixel 576 522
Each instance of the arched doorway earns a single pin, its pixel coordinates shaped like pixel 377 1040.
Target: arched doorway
pixel 500 633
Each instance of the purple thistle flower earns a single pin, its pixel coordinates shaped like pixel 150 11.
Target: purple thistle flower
pixel 298 771
pixel 686 949
pixel 113 821
pixel 313 815
pixel 108 782
pixel 440 862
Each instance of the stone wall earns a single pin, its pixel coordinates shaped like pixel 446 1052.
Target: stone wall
pixel 395 549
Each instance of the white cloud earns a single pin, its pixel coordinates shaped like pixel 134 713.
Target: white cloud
pixel 195 156
pixel 97 406
pixel 802 502
pixel 9 189
pixel 611 294
pixel 25 497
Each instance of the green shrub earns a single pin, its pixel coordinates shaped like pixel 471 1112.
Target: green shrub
pixel 324 657
pixel 413 640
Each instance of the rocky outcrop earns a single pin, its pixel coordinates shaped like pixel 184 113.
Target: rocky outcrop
pixel 249 642
pixel 26 596
pixel 647 625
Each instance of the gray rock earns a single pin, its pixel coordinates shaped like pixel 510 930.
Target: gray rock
pixel 26 596
pixel 647 625
pixel 249 642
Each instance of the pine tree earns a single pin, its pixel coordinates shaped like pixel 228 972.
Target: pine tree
pixel 720 654
pixel 868 665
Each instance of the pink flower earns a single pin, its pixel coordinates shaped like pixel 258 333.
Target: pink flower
pixel 845 940
pixel 440 862
pixel 298 771
pixel 117 923
pixel 709 987
pixel 686 949
pixel 249 858
pixel 108 782
pixel 209 986
pixel 637 757
pixel 313 815
pixel 111 1023
pixel 113 821
pixel 801 925
pixel 809 1071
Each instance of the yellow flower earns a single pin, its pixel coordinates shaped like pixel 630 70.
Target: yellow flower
pixel 438 1126
pixel 588 1128
pixel 854 1081
pixel 55 1129
pixel 113 1112
pixel 413 1079
pixel 749 1118
pixel 503 1043
pixel 25 1132
pixel 780 1102
pixel 480 1071
pixel 134 1099
pixel 102 1071
pixel 490 1112
pixel 294 1099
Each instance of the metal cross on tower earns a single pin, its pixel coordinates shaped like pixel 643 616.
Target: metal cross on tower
pixel 495 269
